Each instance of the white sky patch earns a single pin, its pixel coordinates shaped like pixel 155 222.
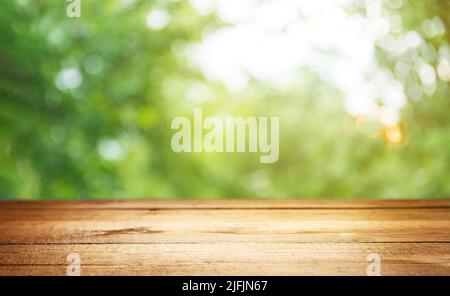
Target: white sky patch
pixel 360 101
pixel 389 117
pixel 433 27
pixel 269 40
pixel 157 19
pixel 110 149
pixel 68 78
pixel 443 69
pixel 373 8
pixel 427 74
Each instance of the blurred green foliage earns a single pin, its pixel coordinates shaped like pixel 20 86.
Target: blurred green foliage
pixel 110 136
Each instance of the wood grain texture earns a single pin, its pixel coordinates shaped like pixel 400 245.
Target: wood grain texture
pixel 225 237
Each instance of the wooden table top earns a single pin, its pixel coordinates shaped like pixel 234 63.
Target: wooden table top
pixel 225 237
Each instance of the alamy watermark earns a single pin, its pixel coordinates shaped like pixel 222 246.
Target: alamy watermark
pixel 374 267
pixel 74 264
pixel 73 8
pixel 228 134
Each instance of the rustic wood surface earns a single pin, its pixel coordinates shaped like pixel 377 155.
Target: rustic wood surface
pixel 225 237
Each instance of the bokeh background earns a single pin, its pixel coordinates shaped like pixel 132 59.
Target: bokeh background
pixel 361 89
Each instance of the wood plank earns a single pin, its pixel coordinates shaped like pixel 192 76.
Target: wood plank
pixel 225 238
pixel 241 258
pixel 319 225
